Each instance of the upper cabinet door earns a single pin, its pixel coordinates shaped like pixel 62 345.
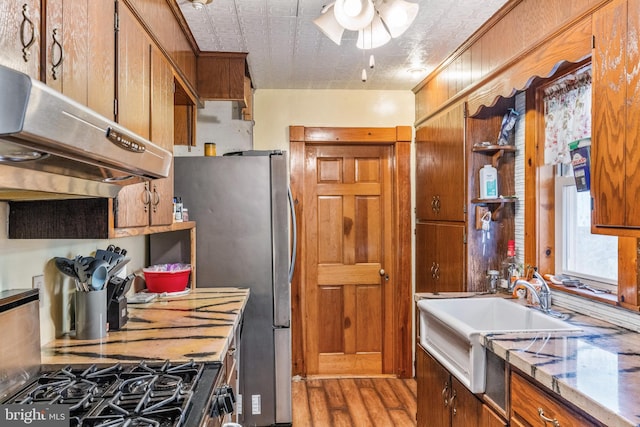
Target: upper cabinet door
pixel 20 36
pixel 145 106
pixel 162 135
pixel 440 171
pixel 609 139
pixel 79 52
pixel 134 110
pixel 632 146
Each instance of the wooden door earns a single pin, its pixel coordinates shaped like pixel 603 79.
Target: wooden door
pixel 348 245
pixel 20 36
pixel 440 171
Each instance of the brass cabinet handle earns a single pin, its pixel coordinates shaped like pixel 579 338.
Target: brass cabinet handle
pixel 55 46
pixel 452 401
pixel 156 198
pixel 27 33
pixel 554 422
pixel 436 274
pixel 433 270
pixel 438 205
pixel 146 199
pixel 445 392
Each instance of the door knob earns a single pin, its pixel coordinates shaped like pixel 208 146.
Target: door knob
pixel 381 272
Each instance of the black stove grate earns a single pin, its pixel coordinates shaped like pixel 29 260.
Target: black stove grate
pixel 144 394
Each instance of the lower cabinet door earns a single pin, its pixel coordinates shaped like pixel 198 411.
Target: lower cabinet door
pixel 466 408
pixel 434 385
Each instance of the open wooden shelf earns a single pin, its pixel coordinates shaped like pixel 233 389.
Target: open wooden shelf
pixel 493 148
pixel 141 231
pixel 499 200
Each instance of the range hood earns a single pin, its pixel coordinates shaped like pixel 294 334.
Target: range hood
pixel 52 147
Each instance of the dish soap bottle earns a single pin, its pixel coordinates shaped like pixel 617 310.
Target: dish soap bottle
pixel 509 266
pixel 488 182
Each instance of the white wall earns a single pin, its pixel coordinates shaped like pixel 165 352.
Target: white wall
pixel 219 122
pixel 276 110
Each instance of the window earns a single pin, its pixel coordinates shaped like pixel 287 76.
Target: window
pixel 593 258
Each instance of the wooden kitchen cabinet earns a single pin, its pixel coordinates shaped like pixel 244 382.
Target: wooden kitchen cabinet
pixel 440 203
pixel 615 145
pixel 20 36
pixel 440 257
pixel 162 88
pixel 79 52
pixel 440 172
pixel 145 106
pixel 221 76
pixel 442 400
pixel 532 406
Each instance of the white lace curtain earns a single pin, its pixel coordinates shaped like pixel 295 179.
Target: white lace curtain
pixel 567 115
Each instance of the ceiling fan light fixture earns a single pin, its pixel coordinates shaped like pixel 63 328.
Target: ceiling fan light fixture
pixel 354 14
pixel 398 15
pixel 373 36
pixel 329 26
pixel 200 4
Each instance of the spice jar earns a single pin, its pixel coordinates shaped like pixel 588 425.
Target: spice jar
pixel 209 149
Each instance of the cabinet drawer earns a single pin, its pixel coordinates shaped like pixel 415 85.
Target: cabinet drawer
pixel 527 400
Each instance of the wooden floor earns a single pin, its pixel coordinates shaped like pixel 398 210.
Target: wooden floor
pixel 354 402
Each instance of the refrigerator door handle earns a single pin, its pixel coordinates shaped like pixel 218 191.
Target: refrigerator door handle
pixel 294 232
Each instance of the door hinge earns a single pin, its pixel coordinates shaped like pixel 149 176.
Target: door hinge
pixel 593 42
pixel 464 208
pixel 115 109
pixel 116 20
pixel 464 238
pixel 465 112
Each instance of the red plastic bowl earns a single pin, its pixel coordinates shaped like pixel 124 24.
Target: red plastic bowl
pixel 166 281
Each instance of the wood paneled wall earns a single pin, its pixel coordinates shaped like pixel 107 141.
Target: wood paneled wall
pixel 507 39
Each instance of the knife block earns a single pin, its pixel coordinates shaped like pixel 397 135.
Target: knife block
pixel 117 314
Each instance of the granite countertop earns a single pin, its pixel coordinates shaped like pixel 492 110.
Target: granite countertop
pixel 197 326
pixel 598 369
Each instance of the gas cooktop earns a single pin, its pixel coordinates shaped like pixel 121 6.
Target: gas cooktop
pixel 143 394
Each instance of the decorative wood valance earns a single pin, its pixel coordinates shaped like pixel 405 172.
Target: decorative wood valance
pixel 570 45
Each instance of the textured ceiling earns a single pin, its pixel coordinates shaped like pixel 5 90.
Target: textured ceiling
pixel 287 51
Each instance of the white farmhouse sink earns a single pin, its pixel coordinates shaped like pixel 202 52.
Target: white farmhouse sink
pixel 451 330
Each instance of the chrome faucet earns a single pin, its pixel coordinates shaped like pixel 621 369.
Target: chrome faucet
pixel 544 295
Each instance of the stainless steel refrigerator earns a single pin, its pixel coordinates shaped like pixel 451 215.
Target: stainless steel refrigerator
pixel 241 207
